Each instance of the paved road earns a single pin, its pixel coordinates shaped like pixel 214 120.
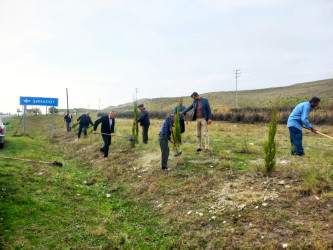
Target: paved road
pixel 3 117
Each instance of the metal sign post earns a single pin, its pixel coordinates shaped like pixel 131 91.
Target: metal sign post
pixel 52 120
pixel 25 116
pixel 40 101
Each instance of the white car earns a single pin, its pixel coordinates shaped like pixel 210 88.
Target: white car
pixel 2 133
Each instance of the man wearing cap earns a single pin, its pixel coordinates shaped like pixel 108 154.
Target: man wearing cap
pixel 203 116
pixel 107 130
pixel 298 119
pixel 144 122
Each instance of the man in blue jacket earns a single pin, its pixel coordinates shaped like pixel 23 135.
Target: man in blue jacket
pixel 203 116
pixel 164 137
pixel 84 121
pixel 107 127
pixel 298 117
pixel 144 122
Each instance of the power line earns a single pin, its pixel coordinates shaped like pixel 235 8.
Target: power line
pixel 237 75
pixel 67 98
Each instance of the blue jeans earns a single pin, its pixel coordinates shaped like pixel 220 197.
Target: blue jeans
pixel 296 141
pixel 69 126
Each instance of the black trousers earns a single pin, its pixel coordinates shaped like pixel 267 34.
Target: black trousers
pixel 145 134
pixel 164 150
pixel 182 125
pixel 84 127
pixel 107 143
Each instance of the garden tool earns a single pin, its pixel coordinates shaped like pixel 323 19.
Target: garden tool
pixel 319 133
pixel 129 138
pixel 54 163
pixel 15 134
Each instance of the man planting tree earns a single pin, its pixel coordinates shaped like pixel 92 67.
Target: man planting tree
pixel 203 116
pixel 298 118
pixel 107 131
pixel 164 138
pixel 84 121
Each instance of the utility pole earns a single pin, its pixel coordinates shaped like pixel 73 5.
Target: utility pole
pixel 136 94
pixel 237 74
pixel 99 104
pixel 67 98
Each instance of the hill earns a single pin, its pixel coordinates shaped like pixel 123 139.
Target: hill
pixel 254 98
pixel 220 101
pixel 124 107
pixel 224 100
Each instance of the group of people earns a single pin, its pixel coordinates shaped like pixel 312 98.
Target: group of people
pixel 202 115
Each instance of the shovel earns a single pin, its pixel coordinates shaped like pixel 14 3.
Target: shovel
pixel 129 138
pixel 319 133
pixel 54 163
pixel 15 134
pixel 173 138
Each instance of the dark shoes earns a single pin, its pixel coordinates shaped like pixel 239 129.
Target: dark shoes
pixel 299 154
pixel 199 149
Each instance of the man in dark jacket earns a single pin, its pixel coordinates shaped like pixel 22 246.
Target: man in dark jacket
pixel 107 127
pixel 68 119
pixel 84 120
pixel 144 122
pixel 203 116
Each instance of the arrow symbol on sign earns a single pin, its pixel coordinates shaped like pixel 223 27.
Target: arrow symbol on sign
pixel 26 100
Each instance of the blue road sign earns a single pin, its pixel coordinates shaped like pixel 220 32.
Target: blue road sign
pixel 41 101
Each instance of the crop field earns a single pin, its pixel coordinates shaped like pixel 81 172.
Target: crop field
pixel 208 200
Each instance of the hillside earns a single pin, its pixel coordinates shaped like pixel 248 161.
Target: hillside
pixel 125 106
pixel 246 98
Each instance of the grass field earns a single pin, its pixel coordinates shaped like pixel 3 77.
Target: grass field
pixel 208 200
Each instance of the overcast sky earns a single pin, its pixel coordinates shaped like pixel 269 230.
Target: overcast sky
pixel 103 50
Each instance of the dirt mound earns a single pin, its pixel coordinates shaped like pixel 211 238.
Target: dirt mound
pixel 241 193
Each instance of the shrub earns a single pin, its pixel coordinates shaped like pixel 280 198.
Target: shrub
pixel 135 127
pixel 270 145
pixel 178 134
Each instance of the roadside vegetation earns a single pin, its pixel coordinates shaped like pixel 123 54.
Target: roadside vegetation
pixel 209 200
